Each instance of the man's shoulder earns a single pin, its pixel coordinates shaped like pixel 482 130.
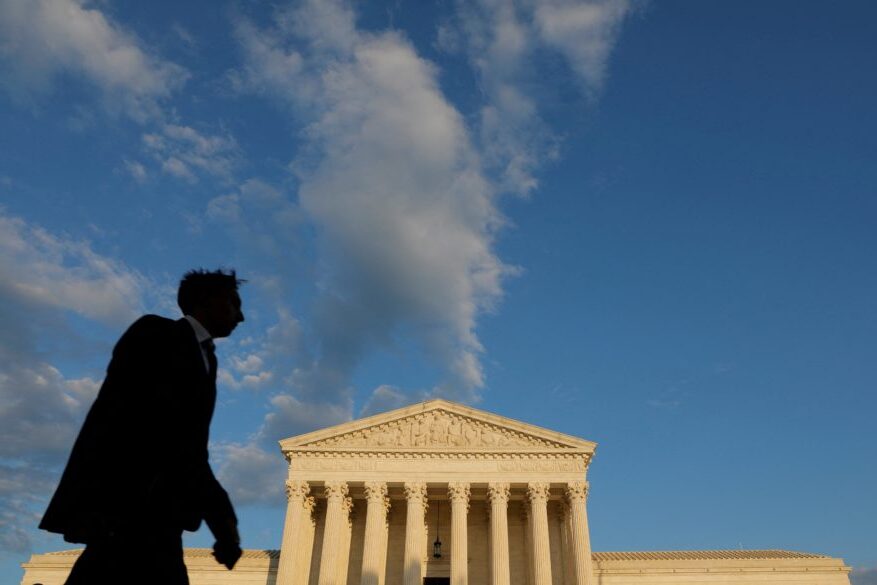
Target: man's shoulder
pixel 154 327
pixel 152 323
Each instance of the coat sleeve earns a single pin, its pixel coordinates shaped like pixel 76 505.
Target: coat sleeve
pixel 218 511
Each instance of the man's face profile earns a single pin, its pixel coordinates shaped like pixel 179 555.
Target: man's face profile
pixel 222 313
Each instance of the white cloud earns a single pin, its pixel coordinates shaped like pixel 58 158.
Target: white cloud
pixel 43 270
pixel 136 170
pixel 250 474
pixel 44 38
pixel 503 38
pixel 384 398
pixel 250 209
pixel 22 490
pixel 406 216
pixel 292 416
pixel 248 364
pixel 185 153
pixel 40 409
pixel 253 472
pixel 583 32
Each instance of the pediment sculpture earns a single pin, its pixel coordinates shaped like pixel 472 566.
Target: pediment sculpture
pixel 436 429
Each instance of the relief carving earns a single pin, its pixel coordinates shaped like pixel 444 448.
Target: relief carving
pixel 436 429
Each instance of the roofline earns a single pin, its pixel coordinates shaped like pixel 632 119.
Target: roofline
pixel 297 441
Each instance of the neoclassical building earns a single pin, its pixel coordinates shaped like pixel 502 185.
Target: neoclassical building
pixel 439 493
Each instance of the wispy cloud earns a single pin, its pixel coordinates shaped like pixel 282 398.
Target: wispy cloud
pixel 40 269
pixel 503 40
pixel 186 153
pixel 49 43
pixel 43 39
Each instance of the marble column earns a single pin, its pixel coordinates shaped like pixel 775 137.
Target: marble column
pixel 580 541
pixel 528 546
pixel 306 550
pixel 346 535
pixel 415 537
pixel 459 496
pixel 498 494
pixel 566 544
pixel 375 545
pixel 537 495
pixel 293 530
pixel 333 532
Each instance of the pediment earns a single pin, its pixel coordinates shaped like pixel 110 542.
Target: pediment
pixel 437 425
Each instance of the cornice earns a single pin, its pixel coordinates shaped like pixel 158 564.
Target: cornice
pixel 310 453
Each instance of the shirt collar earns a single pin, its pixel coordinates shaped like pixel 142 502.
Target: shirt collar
pixel 201 334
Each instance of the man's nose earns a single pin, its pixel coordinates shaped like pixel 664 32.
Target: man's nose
pixel 240 316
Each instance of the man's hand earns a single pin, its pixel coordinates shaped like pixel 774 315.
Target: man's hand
pixel 227 552
pixel 227 548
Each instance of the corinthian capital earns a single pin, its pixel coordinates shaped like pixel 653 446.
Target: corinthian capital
pixel 538 491
pixel 459 492
pixel 297 490
pixel 577 491
pixel 498 492
pixel 415 490
pixel 335 489
pixel 375 491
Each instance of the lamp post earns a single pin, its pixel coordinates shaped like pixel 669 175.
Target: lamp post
pixel 437 545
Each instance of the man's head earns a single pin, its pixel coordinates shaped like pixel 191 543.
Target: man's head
pixel 212 298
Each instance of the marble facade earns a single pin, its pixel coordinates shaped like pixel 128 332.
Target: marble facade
pixel 368 500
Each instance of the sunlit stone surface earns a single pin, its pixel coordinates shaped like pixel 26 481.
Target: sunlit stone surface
pixel 513 495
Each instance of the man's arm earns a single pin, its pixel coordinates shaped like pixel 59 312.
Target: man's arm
pixel 222 521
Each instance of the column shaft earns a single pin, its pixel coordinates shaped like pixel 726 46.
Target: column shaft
pixel 346 535
pixel 566 545
pixel 537 494
pixel 576 494
pixel 306 550
pixel 293 530
pixel 528 543
pixel 375 546
pixel 333 532
pixel 459 496
pixel 415 494
pixel 498 494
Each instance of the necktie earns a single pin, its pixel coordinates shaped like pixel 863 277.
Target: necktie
pixel 210 350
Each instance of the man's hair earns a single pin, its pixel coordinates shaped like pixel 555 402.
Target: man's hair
pixel 198 285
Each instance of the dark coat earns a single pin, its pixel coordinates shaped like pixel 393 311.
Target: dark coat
pixel 140 461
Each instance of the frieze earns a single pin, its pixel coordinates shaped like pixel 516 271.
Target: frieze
pixel 436 429
pixel 573 465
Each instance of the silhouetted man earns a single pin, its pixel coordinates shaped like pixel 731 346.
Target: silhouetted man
pixel 138 474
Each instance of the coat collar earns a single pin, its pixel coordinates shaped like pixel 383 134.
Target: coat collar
pixel 201 334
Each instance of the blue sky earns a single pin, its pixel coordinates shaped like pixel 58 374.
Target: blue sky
pixel 648 224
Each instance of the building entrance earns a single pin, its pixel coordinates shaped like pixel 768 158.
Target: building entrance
pixel 436 581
